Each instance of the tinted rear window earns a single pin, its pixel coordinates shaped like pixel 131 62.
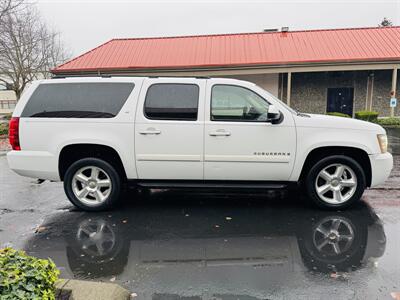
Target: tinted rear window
pixel 77 100
pixel 172 101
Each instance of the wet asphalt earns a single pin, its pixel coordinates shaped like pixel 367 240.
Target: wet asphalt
pixel 208 245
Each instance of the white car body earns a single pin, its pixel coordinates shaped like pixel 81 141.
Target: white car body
pixel 190 150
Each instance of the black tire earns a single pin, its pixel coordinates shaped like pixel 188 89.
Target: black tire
pixel 311 178
pixel 112 198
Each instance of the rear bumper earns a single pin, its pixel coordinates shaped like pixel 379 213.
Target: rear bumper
pixel 381 166
pixel 36 164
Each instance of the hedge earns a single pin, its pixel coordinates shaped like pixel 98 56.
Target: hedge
pixel 371 116
pixel 338 114
pixel 3 128
pixel 389 121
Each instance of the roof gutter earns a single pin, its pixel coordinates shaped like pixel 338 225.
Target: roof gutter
pixel 240 69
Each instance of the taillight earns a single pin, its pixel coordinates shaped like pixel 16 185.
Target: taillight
pixel 13 134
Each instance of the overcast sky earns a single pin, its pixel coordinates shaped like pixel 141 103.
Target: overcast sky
pixel 86 24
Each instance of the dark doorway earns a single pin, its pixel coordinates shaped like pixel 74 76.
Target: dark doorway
pixel 340 100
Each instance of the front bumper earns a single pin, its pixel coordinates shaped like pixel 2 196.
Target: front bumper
pixel 36 164
pixel 381 166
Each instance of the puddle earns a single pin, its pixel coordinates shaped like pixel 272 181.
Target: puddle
pixel 166 245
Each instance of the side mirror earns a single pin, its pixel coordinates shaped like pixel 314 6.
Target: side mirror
pixel 274 115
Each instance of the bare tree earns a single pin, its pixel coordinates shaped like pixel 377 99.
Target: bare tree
pixel 28 48
pixel 7 6
pixel 385 23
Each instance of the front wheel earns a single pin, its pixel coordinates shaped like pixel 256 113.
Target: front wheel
pixel 92 184
pixel 335 182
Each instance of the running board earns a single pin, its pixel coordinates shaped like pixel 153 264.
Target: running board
pixel 211 184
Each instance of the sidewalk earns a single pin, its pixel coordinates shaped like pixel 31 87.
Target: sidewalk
pixel 89 290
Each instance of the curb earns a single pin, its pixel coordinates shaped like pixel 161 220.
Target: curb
pixel 70 289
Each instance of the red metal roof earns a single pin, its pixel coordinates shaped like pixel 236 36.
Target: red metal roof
pixel 229 50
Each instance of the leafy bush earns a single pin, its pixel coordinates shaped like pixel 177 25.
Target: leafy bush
pixel 3 128
pixel 389 121
pixel 338 114
pixel 26 277
pixel 6 116
pixel 371 116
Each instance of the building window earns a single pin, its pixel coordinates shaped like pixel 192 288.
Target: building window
pixel 172 101
pixel 237 104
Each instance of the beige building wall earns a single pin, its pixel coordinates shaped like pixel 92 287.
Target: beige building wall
pixel 269 82
pixel 7 101
pixel 7 95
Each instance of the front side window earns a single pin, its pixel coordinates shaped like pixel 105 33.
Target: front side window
pixel 78 100
pixel 172 101
pixel 237 104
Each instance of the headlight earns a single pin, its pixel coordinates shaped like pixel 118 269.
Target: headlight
pixel 383 142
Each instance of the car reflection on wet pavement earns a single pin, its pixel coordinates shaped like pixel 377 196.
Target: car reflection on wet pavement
pixel 210 242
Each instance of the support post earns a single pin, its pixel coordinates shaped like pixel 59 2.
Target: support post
pixel 393 92
pixel 367 94
pixel 371 93
pixel 289 87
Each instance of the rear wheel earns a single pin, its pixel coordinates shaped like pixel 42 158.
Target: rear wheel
pixel 335 182
pixel 92 184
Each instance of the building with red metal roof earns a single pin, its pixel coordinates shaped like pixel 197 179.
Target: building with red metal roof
pixel 341 70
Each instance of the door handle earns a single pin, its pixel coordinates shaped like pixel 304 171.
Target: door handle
pixel 219 133
pixel 150 131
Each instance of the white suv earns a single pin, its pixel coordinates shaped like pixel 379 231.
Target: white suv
pixel 100 134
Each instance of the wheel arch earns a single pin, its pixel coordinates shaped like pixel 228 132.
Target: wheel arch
pixel 73 152
pixel 358 154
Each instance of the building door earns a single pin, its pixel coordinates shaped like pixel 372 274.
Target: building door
pixel 340 100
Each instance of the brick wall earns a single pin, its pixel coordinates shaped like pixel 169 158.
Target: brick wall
pixel 309 90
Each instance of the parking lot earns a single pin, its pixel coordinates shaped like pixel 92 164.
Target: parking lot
pixel 207 245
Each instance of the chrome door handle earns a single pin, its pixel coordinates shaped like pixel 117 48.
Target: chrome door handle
pixel 150 131
pixel 219 133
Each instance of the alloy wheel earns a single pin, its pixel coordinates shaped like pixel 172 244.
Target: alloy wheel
pixel 336 183
pixel 91 185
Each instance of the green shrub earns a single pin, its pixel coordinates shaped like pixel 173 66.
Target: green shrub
pixel 371 116
pixel 26 277
pixel 3 128
pixel 338 114
pixel 8 116
pixel 389 121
